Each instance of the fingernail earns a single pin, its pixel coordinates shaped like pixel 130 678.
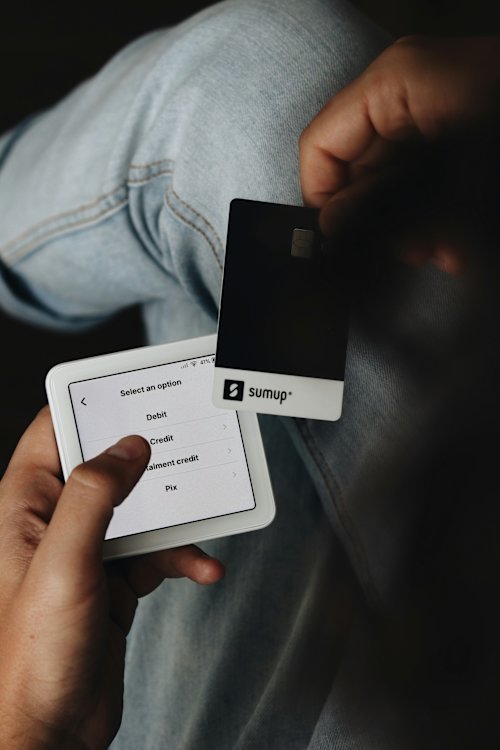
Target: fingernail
pixel 128 448
pixel 447 258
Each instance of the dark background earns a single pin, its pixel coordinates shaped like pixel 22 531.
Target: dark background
pixel 45 49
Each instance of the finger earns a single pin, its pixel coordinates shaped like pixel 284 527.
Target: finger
pixel 28 495
pixel 136 577
pixel 368 115
pixel 413 248
pixel 37 447
pixel 324 158
pixel 343 206
pixel 147 572
pixel 449 258
pixel 446 256
pixel 71 550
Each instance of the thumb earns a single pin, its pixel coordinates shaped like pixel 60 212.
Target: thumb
pixel 75 534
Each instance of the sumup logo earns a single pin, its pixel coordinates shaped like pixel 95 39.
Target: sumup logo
pixel 234 389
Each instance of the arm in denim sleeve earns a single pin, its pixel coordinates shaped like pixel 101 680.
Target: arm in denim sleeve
pixel 70 254
pixel 120 193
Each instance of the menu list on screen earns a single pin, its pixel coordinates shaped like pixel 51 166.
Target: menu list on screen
pixel 197 469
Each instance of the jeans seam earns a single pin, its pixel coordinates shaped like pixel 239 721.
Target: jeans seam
pixel 21 245
pixel 145 180
pixel 12 250
pixel 152 164
pixel 193 225
pixel 338 501
pixel 200 216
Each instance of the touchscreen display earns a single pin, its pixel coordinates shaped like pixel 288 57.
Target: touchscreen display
pixel 198 468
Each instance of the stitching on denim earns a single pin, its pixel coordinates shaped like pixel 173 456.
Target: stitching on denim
pixel 152 164
pixel 18 254
pixel 193 225
pixel 35 234
pixel 62 215
pixel 145 180
pixel 340 506
pixel 200 216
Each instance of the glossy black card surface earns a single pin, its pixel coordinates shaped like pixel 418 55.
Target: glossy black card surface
pixel 283 305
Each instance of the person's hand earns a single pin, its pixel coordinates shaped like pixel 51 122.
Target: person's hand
pixel 417 90
pixel 64 616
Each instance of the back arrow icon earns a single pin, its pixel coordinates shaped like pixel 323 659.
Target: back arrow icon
pixel 83 401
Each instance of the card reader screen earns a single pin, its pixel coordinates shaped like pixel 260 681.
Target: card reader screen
pixel 198 468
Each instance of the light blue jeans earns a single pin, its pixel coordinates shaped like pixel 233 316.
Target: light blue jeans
pixel 119 195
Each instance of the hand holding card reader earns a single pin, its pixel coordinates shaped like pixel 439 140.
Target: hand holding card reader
pixel 283 320
pixel 207 476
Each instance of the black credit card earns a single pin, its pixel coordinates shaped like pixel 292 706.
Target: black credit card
pixel 283 321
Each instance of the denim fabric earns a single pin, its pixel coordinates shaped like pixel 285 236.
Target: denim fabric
pixel 120 194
